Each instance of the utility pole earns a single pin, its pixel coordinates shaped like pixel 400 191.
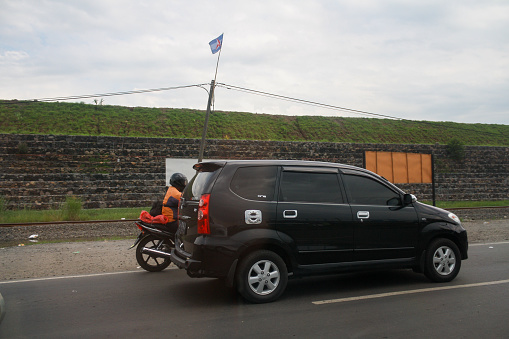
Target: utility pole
pixel 204 134
pixel 215 46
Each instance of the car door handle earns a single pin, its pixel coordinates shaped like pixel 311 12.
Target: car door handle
pixel 363 214
pixel 290 214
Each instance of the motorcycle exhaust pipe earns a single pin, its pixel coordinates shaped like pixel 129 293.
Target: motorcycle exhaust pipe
pixel 155 253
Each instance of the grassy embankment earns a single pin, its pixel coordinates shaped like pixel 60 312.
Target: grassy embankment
pixel 86 119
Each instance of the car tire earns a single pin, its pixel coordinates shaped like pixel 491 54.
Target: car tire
pixel 443 260
pixel 262 277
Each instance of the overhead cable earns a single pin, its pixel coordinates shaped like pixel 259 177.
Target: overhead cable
pixel 115 93
pixel 282 97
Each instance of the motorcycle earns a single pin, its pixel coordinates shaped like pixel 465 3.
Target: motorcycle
pixel 153 246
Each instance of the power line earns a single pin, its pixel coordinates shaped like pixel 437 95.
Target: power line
pixel 232 87
pixel 307 102
pixel 87 96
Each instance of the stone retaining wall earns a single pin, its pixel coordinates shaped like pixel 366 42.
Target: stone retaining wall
pixel 40 171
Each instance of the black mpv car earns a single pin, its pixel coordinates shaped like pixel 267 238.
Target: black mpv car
pixel 254 223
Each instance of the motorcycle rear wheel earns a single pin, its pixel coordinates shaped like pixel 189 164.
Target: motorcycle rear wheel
pixel 151 263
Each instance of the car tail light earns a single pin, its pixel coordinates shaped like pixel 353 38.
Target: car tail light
pixel 203 215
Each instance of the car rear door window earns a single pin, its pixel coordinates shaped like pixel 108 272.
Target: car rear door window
pixel 366 191
pixel 255 183
pixel 310 187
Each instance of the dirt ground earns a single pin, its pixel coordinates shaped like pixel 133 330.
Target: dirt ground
pixel 37 260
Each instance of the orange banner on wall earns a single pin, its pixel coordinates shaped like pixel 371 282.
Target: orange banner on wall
pixel 401 168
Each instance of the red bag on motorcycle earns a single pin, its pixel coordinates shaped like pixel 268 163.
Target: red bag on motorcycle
pixel 160 219
pixel 145 217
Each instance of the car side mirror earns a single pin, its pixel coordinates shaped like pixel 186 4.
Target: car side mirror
pixel 408 199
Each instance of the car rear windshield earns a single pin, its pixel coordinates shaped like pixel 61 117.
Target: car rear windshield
pixel 201 183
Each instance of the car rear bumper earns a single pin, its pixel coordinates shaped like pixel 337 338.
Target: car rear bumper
pixel 207 261
pixel 187 264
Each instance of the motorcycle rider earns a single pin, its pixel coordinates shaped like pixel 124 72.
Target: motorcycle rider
pixel 178 182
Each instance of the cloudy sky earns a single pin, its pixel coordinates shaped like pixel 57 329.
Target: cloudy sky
pixel 420 60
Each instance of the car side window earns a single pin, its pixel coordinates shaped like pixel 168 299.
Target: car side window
pixel 255 183
pixel 310 187
pixel 365 191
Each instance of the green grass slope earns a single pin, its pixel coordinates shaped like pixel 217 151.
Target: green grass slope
pixel 18 117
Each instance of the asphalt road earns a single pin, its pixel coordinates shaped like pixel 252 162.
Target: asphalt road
pixel 392 304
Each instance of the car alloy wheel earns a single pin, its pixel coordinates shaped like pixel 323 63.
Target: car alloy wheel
pixel 443 260
pixel 262 276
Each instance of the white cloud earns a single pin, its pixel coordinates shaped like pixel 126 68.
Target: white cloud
pixel 430 60
pixel 13 56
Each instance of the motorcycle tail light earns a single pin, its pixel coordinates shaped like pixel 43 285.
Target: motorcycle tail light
pixel 203 215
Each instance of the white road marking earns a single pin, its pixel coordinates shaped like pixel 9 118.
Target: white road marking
pixel 172 267
pixel 423 290
pixel 65 277
pixel 490 243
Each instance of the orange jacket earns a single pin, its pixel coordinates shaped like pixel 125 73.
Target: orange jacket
pixel 170 203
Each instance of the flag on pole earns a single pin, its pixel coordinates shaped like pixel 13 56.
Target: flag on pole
pixel 215 45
